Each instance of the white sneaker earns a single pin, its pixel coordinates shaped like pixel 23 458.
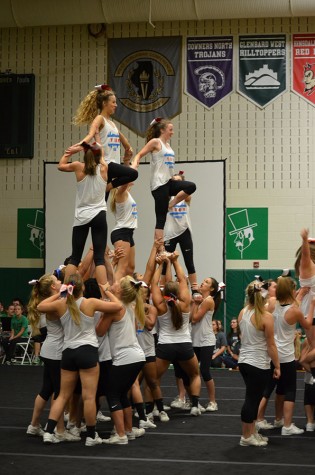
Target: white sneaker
pixel 75 431
pixel 150 416
pixel 252 440
pixel 66 416
pixel 291 430
pixel 50 438
pixel 163 416
pixel 135 433
pixel 278 423
pixel 146 424
pixel 264 424
pixel 310 427
pixel 67 436
pixel 96 441
pixel 156 411
pixel 178 403
pixel 116 440
pixel 71 425
pixel 260 437
pixel 195 411
pixel 212 406
pixel 201 408
pixel 35 430
pixel 100 417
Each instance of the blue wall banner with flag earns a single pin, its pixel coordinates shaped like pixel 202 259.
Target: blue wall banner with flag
pixel 209 68
pixel 145 74
pixel 262 63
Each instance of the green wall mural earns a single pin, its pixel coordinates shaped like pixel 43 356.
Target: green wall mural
pixel 247 233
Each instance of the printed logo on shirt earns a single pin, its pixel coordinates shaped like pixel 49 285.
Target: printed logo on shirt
pixel 179 211
pixel 140 329
pixel 114 141
pixel 169 160
pixel 134 210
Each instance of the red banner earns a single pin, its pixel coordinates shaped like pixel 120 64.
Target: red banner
pixel 303 66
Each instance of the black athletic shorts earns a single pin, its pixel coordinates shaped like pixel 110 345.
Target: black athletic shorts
pixel 83 357
pixel 175 351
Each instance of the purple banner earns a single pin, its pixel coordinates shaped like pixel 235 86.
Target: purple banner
pixel 209 68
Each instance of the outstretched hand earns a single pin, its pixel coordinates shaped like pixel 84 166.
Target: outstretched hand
pixel 74 149
pixel 163 257
pixel 118 254
pixel 158 243
pixel 104 288
pixel 304 234
pixel 174 256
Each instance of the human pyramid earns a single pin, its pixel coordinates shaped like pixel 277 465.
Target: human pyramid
pixel 112 332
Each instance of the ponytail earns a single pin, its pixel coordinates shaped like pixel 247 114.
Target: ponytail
pixel 176 313
pixel 171 297
pixel 256 300
pixel 131 292
pixel 112 199
pixel 41 290
pixel 90 163
pixel 74 281
pixel 91 106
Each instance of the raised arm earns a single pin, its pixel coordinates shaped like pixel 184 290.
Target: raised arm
pixel 150 316
pixel 184 294
pixel 307 321
pixel 64 165
pixel 157 296
pixel 108 266
pixel 86 265
pixel 307 267
pixel 151 264
pixel 95 127
pixel 112 305
pixel 51 304
pixel 151 146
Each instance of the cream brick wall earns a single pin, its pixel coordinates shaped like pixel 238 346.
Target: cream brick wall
pixel 269 153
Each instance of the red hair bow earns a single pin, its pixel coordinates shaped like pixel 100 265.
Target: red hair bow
pixel 103 87
pixel 156 120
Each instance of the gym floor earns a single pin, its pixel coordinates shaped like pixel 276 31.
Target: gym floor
pixel 206 443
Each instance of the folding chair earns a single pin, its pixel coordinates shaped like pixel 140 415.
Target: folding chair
pixel 26 348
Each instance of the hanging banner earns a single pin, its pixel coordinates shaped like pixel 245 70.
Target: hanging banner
pixel 303 66
pixel 262 68
pixel 209 68
pixel 145 73
pixel 30 235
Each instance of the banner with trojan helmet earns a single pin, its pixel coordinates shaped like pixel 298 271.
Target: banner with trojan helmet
pixel 209 68
pixel 145 74
pixel 262 68
pixel 303 66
